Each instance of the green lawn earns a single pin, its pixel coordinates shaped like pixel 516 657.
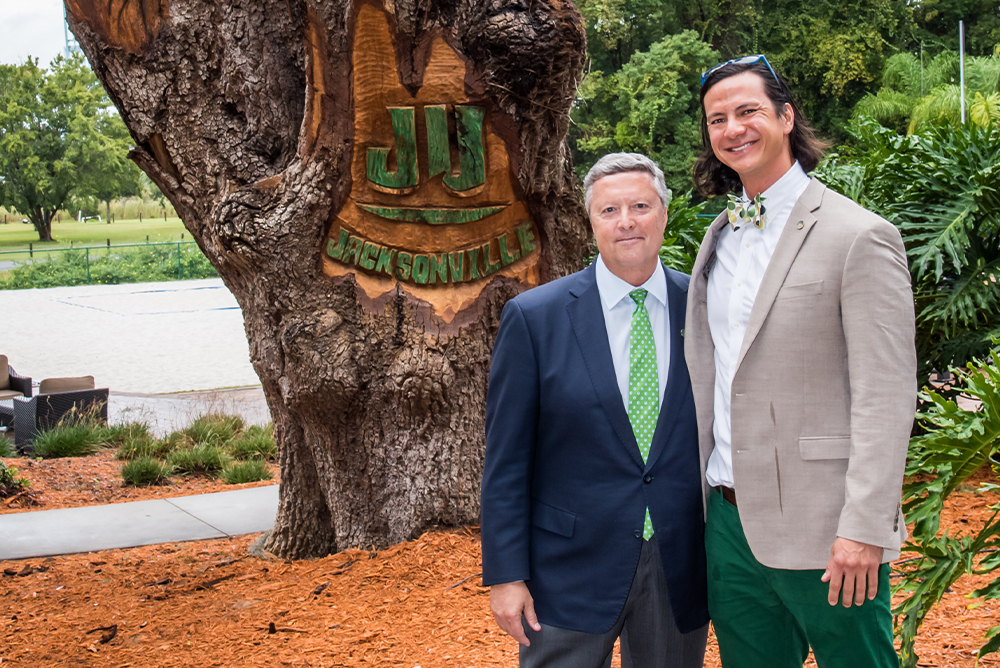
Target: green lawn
pixel 17 236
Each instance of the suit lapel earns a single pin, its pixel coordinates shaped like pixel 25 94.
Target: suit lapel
pixel 587 318
pixel 677 373
pixel 800 221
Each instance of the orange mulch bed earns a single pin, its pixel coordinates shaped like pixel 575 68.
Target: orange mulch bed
pixel 90 481
pixel 207 603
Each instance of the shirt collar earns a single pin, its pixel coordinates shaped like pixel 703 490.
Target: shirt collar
pixel 785 190
pixel 614 289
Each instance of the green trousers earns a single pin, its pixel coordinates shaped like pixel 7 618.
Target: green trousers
pixel 770 617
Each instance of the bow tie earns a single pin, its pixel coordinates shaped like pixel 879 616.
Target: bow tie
pixel 749 211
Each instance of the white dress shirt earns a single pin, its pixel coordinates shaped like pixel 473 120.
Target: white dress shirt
pixel 741 258
pixel 618 308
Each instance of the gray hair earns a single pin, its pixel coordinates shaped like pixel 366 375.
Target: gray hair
pixel 616 163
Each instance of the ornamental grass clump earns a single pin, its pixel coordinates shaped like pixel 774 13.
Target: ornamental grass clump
pixel 142 446
pixel 254 443
pixel 6 448
pixel 145 471
pixel 204 459
pixel 78 440
pixel 238 473
pixel 215 429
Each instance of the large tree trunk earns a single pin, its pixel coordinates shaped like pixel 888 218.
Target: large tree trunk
pixel 373 182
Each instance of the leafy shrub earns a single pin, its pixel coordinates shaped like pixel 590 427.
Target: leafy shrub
pixel 126 265
pixel 214 428
pixel 238 473
pixel 208 459
pixel 144 471
pixel 6 448
pixel 254 443
pixel 10 482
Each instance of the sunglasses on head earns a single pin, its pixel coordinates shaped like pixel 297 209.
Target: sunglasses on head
pixel 743 60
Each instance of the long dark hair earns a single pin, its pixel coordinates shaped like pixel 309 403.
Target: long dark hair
pixel 713 178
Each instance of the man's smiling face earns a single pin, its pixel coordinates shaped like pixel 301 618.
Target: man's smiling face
pixel 746 132
pixel 628 220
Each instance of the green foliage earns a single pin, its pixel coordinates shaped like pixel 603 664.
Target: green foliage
pixel 130 265
pixel 10 482
pixel 684 233
pixel 74 440
pixel 207 459
pixel 238 473
pixel 6 447
pixel 144 471
pixel 254 443
pixel 941 188
pixel 911 99
pixel 214 428
pixel 652 104
pixel 956 443
pixel 60 137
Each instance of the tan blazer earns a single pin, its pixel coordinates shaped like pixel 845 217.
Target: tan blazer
pixel 824 393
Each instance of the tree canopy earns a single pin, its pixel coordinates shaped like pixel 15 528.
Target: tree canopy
pixel 60 138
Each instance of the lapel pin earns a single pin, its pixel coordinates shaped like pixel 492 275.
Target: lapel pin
pixel 801 225
pixel 682 332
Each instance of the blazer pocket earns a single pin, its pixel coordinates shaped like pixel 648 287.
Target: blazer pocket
pixel 800 290
pixel 824 447
pixel 552 519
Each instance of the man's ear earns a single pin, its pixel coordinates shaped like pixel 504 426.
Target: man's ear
pixel 789 118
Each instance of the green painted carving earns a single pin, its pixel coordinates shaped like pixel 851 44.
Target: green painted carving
pixel 353 250
pixel 421 267
pixel 474 263
pixel 403 265
pixel 439 268
pixel 405 176
pixel 432 216
pixel 385 257
pixel 457 263
pixel 471 163
pixel 506 257
pixel 336 251
pixel 368 255
pixel 526 238
pixel 438 152
pixel 489 267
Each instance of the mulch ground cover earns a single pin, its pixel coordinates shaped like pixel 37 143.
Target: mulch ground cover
pixel 206 603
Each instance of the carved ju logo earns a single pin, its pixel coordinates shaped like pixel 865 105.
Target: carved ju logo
pixel 434 205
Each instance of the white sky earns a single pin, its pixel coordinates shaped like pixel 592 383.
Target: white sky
pixel 31 28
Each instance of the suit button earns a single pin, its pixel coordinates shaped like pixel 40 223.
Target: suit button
pixel 647 478
pixel 638 534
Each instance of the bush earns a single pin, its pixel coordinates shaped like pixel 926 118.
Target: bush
pixel 6 448
pixel 126 265
pixel 142 446
pixel 75 440
pixel 214 429
pixel 144 471
pixel 10 482
pixel 208 459
pixel 238 473
pixel 254 443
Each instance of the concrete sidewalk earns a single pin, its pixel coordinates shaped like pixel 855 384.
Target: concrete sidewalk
pixel 46 533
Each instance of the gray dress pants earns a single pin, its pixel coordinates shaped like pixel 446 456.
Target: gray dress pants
pixel 649 635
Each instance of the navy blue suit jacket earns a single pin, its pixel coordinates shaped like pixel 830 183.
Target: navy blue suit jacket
pixel 564 486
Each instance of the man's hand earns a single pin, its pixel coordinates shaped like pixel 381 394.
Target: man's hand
pixel 851 566
pixel 508 601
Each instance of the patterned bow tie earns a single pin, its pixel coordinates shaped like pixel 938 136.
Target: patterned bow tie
pixel 743 209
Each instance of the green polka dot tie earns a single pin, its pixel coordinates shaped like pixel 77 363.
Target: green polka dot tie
pixel 643 384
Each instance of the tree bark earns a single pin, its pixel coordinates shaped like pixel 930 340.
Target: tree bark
pixel 373 182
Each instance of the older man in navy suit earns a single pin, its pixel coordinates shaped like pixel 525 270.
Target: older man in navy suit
pixel 592 508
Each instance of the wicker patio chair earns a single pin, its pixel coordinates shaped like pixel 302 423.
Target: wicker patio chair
pixel 32 415
pixel 11 384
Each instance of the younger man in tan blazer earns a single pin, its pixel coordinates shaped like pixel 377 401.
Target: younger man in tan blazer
pixel 800 344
